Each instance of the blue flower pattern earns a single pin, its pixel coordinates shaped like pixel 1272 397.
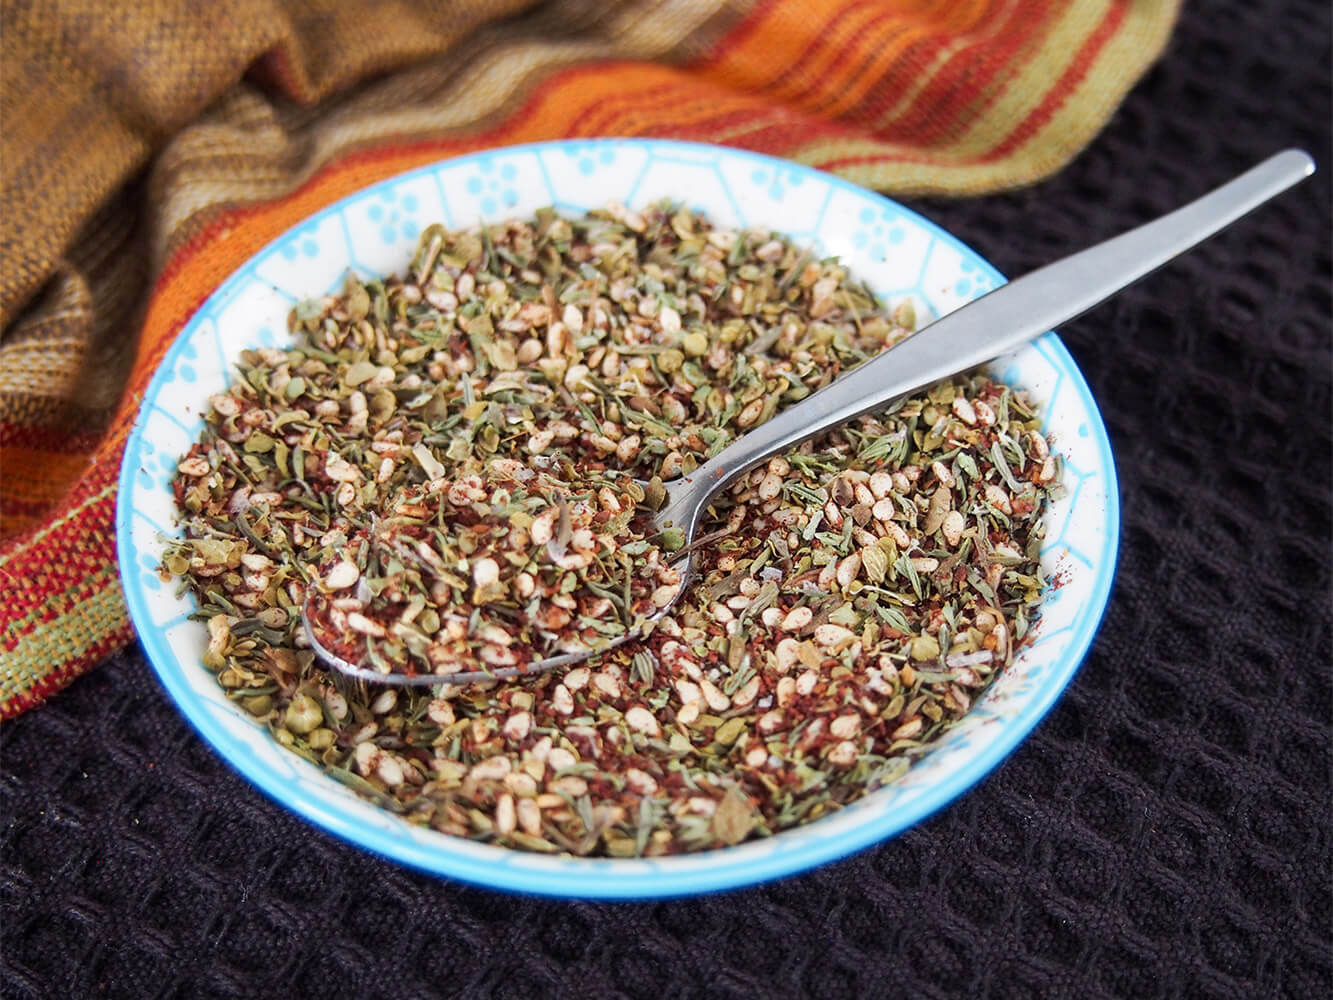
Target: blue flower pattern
pixel 301 241
pixel 589 155
pixel 878 231
pixel 776 180
pixel 973 282
pixel 397 218
pixel 494 187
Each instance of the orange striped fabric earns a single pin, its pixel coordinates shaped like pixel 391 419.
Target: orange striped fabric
pixel 134 182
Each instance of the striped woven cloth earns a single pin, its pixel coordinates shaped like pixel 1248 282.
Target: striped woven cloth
pixel 148 151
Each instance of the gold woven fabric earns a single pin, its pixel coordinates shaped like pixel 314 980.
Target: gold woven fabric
pixel 148 148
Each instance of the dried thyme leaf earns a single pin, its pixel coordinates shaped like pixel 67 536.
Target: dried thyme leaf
pixel 734 817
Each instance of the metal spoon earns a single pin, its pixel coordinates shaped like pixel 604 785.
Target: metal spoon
pixel 984 329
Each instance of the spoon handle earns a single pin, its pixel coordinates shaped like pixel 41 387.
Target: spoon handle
pixel 1002 320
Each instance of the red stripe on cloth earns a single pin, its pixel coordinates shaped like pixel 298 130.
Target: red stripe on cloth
pixel 17 507
pixel 624 114
pixel 45 439
pixel 972 68
pixel 737 36
pixel 820 44
pixel 1071 78
pixel 37 558
pixel 1033 121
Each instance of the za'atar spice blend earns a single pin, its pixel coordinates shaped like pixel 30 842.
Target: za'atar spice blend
pixel 444 463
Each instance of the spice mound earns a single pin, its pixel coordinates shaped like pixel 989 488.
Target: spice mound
pixel 495 568
pixel 441 466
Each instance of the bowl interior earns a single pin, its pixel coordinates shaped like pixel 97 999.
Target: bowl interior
pixel 899 254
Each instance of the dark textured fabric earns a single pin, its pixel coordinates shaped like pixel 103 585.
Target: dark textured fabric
pixel 1165 832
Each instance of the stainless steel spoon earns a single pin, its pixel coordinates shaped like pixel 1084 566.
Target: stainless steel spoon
pixel 984 329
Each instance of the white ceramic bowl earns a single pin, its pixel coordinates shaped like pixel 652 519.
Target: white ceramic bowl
pixel 898 253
